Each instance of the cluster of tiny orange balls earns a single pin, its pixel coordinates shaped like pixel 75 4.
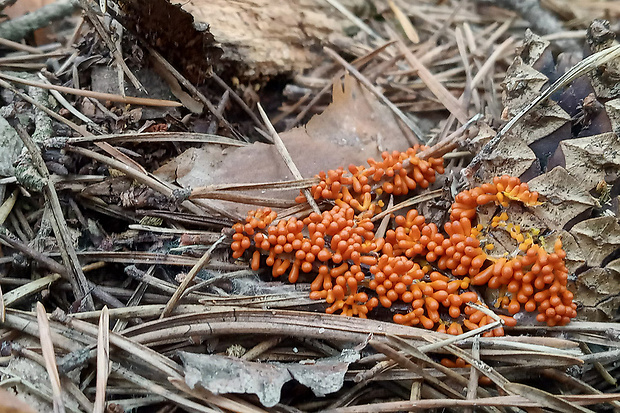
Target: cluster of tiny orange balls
pixel 414 263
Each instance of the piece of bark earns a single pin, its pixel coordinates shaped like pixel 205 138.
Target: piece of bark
pixel 257 38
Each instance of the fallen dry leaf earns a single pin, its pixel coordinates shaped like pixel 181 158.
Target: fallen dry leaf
pixel 597 238
pixel 220 374
pixel 522 84
pixel 353 128
pixel 591 159
pixel 562 198
pixel 574 255
pixel 598 291
pixel 511 157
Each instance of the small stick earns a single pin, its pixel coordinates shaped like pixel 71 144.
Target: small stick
pixel 118 57
pixel 204 260
pixel 287 158
pixel 78 280
pixel 91 94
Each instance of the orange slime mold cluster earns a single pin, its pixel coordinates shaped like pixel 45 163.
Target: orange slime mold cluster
pixel 414 263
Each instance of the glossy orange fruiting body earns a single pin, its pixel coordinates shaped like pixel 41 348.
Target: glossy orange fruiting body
pixel 340 247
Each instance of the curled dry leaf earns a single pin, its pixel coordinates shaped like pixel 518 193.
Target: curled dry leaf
pixel 613 111
pixel 511 157
pixel 522 84
pixel 220 374
pixel 562 198
pixel 597 238
pixel 592 159
pixel 598 293
pixel 574 255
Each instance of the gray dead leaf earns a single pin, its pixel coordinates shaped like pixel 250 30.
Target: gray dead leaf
pixel 521 85
pixel 589 160
pixel 533 48
pixel 597 238
pixel 512 157
pixel 220 374
pixel 613 111
pixel 598 292
pixel 542 121
pixel 561 196
pixel 574 255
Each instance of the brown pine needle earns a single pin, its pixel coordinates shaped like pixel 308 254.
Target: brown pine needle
pixel 103 360
pixel 172 303
pixel 91 94
pixel 47 347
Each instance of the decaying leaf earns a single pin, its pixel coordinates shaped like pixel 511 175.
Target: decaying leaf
pixel 613 111
pixel 598 291
pixel 590 160
pixel 512 157
pixel 220 374
pixel 574 255
pixel 522 84
pixel 562 198
pixel 598 238
pixel 355 126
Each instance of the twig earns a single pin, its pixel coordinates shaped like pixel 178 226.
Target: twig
pixel 103 34
pixel 77 278
pixel 18 28
pixel 287 158
pixel 188 279
pixel 194 91
pixel 97 95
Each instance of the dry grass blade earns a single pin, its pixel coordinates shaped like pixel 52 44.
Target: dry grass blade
pixel 410 365
pixel 153 387
pixel 499 401
pixel 97 95
pixel 156 136
pixel 188 279
pixel 147 180
pixel 47 347
pixel 2 307
pixel 545 399
pixel 103 360
pixel 275 186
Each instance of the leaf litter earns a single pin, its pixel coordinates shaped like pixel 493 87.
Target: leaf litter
pixel 133 225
